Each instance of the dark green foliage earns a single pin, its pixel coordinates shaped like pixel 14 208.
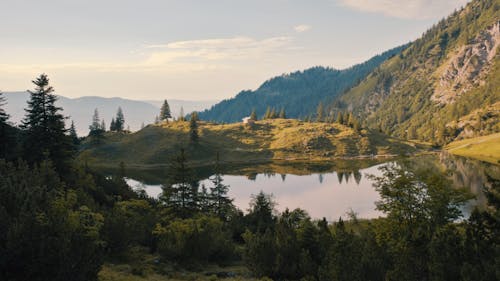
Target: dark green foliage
pixel 165 113
pixel 44 132
pixel 119 121
pixel 45 234
pixel 220 201
pixel 72 134
pixel 261 213
pixel 8 134
pixel 320 112
pixel 193 128
pixel 299 92
pixel 179 193
pixel 199 239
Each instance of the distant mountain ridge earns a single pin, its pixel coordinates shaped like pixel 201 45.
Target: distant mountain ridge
pixel 298 93
pixel 81 109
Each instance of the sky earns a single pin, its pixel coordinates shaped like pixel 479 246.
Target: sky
pixel 195 49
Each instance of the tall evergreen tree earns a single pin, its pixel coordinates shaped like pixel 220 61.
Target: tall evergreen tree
pixel 320 112
pixel 179 193
pixel 73 135
pixel 103 125
pixel 282 113
pixel 165 113
pixel 193 128
pixel 5 130
pixel 44 128
pixel 112 125
pixel 221 201
pixel 181 115
pixel 253 115
pixel 119 120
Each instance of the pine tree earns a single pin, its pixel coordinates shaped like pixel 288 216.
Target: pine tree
pixel 282 114
pixel 112 125
pixel 253 115
pixel 95 127
pixel 119 120
pixel 267 115
pixel 45 133
pixel 5 135
pixel 181 115
pixel 193 128
pixel 165 113
pixel 340 118
pixel 72 134
pixel 272 115
pixel 179 194
pixel 320 112
pixel 103 125
pixel 218 193
pixel 3 115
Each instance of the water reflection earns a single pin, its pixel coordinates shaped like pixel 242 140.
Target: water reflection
pixel 325 190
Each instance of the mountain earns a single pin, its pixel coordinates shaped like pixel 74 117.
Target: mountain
pixel 299 93
pixel 80 110
pixel 444 86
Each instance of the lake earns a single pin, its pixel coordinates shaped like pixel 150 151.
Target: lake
pixel 328 190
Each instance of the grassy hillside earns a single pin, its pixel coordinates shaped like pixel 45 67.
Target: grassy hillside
pixel 450 72
pixel 486 148
pixel 278 139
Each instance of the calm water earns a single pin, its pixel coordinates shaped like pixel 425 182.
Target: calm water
pixel 323 190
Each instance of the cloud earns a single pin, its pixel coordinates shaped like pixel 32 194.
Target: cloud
pixel 406 9
pixel 178 56
pixel 302 28
pixel 210 50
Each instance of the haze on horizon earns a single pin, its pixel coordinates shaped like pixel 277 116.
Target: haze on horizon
pixel 195 50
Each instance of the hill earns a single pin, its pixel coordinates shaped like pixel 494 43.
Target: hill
pixel 299 93
pixel 452 71
pixel 80 110
pixel 277 139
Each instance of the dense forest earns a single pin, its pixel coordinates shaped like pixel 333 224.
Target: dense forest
pixel 298 93
pixel 60 219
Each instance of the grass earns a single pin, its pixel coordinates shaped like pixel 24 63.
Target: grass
pixel 486 148
pixel 267 140
pixel 139 265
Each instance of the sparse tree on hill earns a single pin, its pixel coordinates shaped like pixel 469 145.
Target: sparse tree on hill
pixel 165 113
pixel 320 112
pixel 181 115
pixel 253 115
pixel 95 127
pixel 267 115
pixel 193 128
pixel 112 125
pixel 340 118
pixel 103 125
pixel 282 113
pixel 5 138
pixel 119 120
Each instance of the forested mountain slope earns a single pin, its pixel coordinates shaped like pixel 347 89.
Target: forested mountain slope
pixel 298 93
pixel 444 86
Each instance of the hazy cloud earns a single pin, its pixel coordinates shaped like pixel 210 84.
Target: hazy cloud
pixel 407 9
pixel 302 28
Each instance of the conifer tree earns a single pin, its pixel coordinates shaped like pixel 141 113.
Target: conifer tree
pixel 340 118
pixel 112 125
pixel 44 128
pixel 73 135
pixel 267 115
pixel 119 120
pixel 221 201
pixel 95 127
pixel 253 115
pixel 103 125
pixel 165 113
pixel 181 115
pixel 179 194
pixel 193 127
pixel 272 115
pixel 320 113
pixel 5 138
pixel 282 113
